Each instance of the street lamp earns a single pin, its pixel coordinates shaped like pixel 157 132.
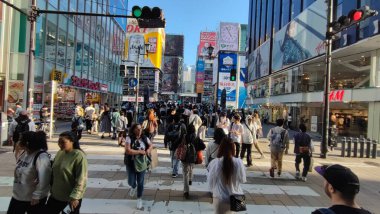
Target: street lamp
pixel 146 47
pixel 210 49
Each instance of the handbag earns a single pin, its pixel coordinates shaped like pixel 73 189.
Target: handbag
pixel 237 203
pixel 141 162
pixel 180 153
pixel 199 159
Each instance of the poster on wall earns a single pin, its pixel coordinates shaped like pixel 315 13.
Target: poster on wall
pixel 200 76
pixel 259 62
pixel 170 75
pixel 296 41
pixel 227 61
pixel 207 39
pixel 174 45
pixel 16 92
pixel 229 36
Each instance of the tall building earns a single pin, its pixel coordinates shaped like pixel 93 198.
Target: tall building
pixel 286 65
pixel 81 53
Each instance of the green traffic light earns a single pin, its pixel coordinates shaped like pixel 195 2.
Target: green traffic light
pixel 232 78
pixel 136 12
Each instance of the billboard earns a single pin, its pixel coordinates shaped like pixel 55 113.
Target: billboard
pixel 229 36
pixel 259 62
pixel 174 45
pixel 200 76
pixel 207 39
pixel 170 75
pixel 226 62
pixel 242 82
pixel 298 41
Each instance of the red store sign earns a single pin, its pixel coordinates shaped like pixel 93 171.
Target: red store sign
pixel 336 96
pixel 85 83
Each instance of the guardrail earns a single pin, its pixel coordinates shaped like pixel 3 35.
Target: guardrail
pixel 355 147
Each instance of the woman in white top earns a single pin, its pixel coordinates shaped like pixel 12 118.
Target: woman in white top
pixel 226 174
pixel 236 132
pixel 212 147
pixel 223 122
pixel 256 119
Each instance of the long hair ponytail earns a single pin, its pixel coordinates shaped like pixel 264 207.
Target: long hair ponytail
pixel 227 151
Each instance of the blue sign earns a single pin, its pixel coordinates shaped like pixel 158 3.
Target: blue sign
pixel 201 66
pixel 132 82
pixel 227 61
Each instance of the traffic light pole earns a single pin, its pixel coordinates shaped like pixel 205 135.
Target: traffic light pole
pixel 326 106
pixel 137 86
pixel 30 83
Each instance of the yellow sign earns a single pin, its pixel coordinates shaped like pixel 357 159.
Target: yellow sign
pixel 56 75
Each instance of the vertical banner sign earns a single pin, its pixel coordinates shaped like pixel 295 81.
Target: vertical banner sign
pixel 200 76
pixel 227 61
pixel 242 82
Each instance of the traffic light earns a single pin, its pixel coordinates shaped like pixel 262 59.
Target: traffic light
pixel 123 71
pixel 354 16
pixel 233 74
pixel 149 17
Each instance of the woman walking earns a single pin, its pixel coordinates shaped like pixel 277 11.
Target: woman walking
pixel 32 165
pixel 121 126
pixel 226 174
pixel 69 176
pixel 137 149
pixel 213 146
pixel 235 133
pixel 256 119
pixel 105 122
pixel 150 125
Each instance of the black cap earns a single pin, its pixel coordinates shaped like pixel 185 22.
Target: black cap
pixel 340 177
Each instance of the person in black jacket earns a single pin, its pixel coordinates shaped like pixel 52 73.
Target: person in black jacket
pixel 303 150
pixel 173 136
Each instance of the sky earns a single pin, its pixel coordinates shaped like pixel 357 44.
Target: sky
pixel 190 17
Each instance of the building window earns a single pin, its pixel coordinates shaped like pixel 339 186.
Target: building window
pixel 307 3
pixel 263 20
pixel 269 20
pixel 285 18
pixel 296 8
pixel 258 21
pixel 277 15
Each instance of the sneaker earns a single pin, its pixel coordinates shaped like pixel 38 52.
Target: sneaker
pixel 279 173
pixel 139 203
pixel 298 175
pixel 271 172
pixel 132 192
pixel 190 182
pixel 186 195
pixel 304 179
pixel 174 175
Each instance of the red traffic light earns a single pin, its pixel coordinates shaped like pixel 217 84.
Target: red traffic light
pixel 357 15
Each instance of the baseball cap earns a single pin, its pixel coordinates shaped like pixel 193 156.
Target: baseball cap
pixel 340 177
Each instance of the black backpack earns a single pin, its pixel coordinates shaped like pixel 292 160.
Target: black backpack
pixel 20 128
pixel 174 135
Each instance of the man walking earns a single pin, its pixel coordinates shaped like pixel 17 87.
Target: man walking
pixel 173 137
pixel 303 150
pixel 89 112
pixel 279 138
pixel 341 186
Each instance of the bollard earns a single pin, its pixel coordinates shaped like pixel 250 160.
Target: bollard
pixel 368 149
pixel 362 141
pixel 355 142
pixel 349 144
pixel 374 149
pixel 344 141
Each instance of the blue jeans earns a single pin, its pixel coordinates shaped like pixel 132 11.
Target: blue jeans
pixel 175 162
pixel 136 179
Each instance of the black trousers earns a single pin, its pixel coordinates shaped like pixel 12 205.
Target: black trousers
pixel 20 207
pixel 88 124
pixel 237 149
pixel 54 206
pixel 306 163
pixel 248 148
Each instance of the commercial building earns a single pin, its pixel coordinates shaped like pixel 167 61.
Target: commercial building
pixel 81 53
pixel 286 65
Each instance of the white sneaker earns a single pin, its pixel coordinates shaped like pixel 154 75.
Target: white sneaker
pixel 139 203
pixel 132 192
pixel 298 175
pixel 304 179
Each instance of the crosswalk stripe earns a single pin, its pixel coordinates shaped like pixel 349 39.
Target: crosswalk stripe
pixel 121 206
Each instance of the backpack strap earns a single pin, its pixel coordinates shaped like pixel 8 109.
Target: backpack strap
pixel 37 155
pixel 326 211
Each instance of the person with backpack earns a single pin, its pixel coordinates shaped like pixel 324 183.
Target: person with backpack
pixel 138 147
pixel 303 149
pixel 225 176
pixel 173 137
pixel 20 125
pixel 114 119
pixel 32 165
pixel 77 125
pixel 70 176
pixel 236 132
pixel 213 146
pixel 278 137
pixel 121 126
pixel 150 125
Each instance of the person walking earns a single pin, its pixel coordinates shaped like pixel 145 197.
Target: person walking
pixel 114 118
pixel 77 125
pixel 105 122
pixel 193 145
pixel 70 176
pixel 18 126
pixel 254 127
pixel 342 186
pixel 236 132
pixel 195 120
pixel 88 116
pixel 202 130
pixel 150 125
pixel 279 138
pixel 213 146
pixel 259 131
pixel 137 148
pixel 225 176
pixel 32 165
pixel 249 137
pixel 303 150
pixel 223 122
pixel 121 126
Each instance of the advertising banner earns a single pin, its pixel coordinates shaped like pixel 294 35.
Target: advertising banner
pixel 229 36
pixel 259 62
pixel 227 61
pixel 297 41
pixel 170 74
pixel 207 39
pixel 200 76
pixel 242 82
pixel 174 45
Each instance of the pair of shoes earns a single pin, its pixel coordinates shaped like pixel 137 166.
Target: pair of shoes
pixel 132 192
pixel 298 175
pixel 139 203
pixel 102 137
pixel 186 195
pixel 271 172
pixel 279 173
pixel 190 182
pixel 304 179
pixel 174 175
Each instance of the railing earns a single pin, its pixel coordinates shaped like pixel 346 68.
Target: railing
pixel 358 147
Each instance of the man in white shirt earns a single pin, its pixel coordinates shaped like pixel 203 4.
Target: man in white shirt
pixel 195 120
pixel 89 112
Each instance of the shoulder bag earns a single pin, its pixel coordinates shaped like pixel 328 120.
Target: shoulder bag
pixel 237 203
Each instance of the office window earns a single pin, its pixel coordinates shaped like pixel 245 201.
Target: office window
pixel 285 18
pixel 263 20
pixel 269 19
pixel 258 21
pixel 296 8
pixel 307 3
pixel 277 15
pixel 253 25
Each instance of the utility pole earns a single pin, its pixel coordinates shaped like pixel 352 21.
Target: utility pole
pixel 137 86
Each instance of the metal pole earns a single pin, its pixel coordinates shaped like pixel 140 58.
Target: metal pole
pixel 53 91
pixel 326 106
pixel 137 86
pixel 30 83
pixel 217 87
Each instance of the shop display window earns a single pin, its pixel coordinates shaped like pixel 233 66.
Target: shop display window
pixel 259 89
pixel 281 83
